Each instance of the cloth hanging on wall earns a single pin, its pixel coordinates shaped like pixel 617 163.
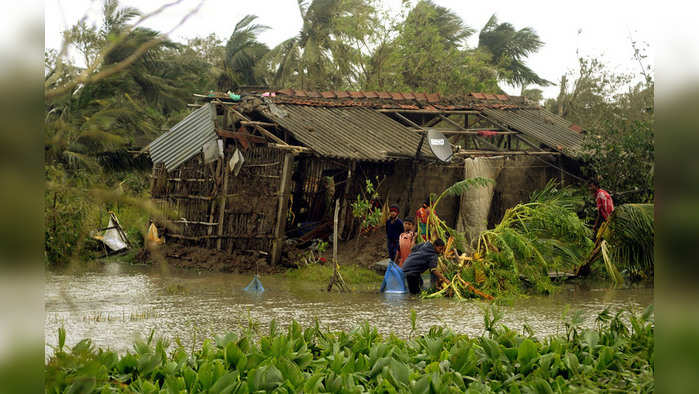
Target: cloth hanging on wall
pixel 236 162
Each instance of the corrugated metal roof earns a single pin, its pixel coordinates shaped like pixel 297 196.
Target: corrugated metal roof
pixel 542 125
pixel 349 132
pixel 185 139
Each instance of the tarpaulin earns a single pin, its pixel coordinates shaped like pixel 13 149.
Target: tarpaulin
pixel 393 280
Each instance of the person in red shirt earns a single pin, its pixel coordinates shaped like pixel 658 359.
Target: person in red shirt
pixel 605 204
pixel 406 241
pixel 421 217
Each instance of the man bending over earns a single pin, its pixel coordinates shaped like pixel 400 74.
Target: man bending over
pixel 424 256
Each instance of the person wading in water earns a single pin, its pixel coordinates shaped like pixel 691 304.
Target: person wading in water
pixel 424 256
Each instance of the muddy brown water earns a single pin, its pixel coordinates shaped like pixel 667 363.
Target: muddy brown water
pixel 115 303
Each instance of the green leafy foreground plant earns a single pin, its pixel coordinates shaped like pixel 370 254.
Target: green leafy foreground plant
pixel 616 355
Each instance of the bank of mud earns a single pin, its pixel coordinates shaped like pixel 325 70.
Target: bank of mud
pixel 363 251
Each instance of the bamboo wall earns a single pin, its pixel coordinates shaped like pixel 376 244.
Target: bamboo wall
pixel 193 195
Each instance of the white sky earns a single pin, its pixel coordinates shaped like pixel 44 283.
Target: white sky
pixel 594 27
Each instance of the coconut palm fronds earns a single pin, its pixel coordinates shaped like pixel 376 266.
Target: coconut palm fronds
pixel 609 265
pixel 630 234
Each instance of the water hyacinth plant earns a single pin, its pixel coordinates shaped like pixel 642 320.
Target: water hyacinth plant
pixel 616 355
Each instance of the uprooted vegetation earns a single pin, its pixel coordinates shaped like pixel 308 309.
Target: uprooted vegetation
pixel 625 244
pixel 515 257
pixel 545 237
pixel 616 355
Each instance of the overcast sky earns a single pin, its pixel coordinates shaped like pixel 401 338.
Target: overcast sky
pixel 595 28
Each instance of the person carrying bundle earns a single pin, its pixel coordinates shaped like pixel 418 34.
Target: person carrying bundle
pixel 605 204
pixel 424 256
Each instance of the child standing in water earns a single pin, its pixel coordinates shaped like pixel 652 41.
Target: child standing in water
pixel 406 241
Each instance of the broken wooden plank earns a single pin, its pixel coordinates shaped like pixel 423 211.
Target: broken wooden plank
pixel 257 123
pixel 290 147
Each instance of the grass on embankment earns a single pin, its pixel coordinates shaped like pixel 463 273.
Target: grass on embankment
pixel 352 274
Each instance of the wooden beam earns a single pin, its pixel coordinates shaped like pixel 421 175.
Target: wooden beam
pixel 300 149
pixel 282 207
pixel 259 128
pixel 256 123
pixel 476 137
pixel 222 203
pixel 423 132
pixel 345 195
pixel 189 197
pixel 214 236
pixel 500 153
pixel 185 221
pixel 432 121
pixel 472 131
pixel 519 136
pixel 238 135
pixel 212 204
pixel 256 126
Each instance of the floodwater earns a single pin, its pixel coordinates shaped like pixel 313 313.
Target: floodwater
pixel 115 303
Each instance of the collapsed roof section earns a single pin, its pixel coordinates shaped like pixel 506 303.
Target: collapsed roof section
pixel 185 139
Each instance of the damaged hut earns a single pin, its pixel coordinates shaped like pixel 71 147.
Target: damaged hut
pixel 241 171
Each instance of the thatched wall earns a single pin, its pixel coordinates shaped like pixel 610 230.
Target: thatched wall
pixel 193 195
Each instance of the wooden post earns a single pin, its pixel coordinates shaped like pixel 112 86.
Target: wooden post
pixel 222 203
pixel 337 210
pixel 560 167
pixel 348 183
pixel 280 227
pixel 337 277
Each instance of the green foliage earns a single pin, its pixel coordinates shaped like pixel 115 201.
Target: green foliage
pixel 618 355
pixel 352 274
pixel 76 207
pixel 509 48
pixel 618 113
pixel 93 129
pixel 630 234
pixel 425 51
pixel 363 209
pixel 534 238
pixel 242 54
pixel 327 52
pixel 437 226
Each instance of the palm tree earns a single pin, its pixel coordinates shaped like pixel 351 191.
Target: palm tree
pixel 449 27
pixel 322 56
pixel 116 18
pixel 509 48
pixel 429 45
pixel 242 53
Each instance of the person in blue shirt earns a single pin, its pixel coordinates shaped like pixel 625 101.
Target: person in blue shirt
pixel 423 257
pixel 394 228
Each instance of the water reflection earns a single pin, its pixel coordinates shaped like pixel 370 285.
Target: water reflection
pixel 117 302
